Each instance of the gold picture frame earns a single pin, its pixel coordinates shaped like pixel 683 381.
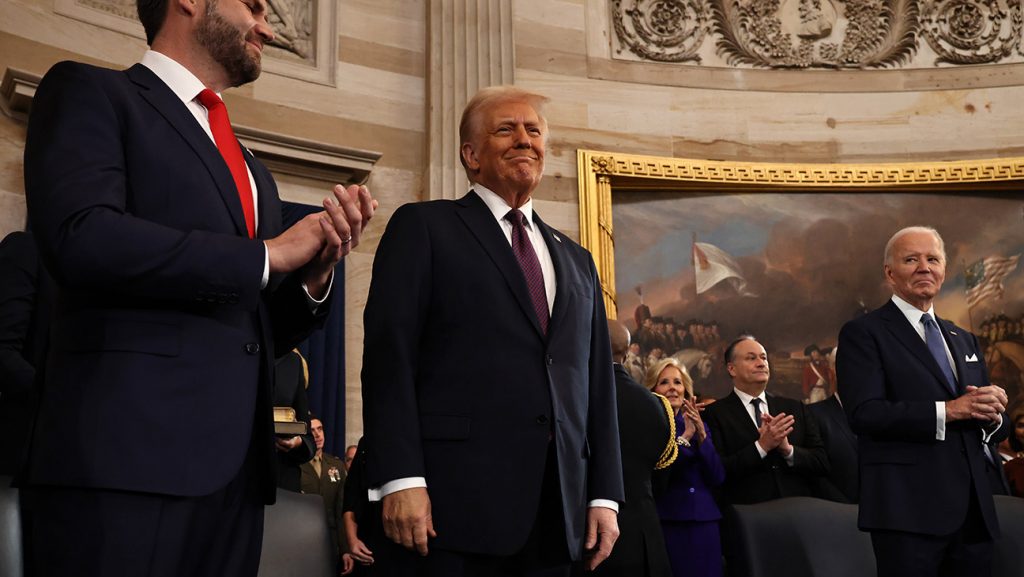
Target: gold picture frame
pixel 600 173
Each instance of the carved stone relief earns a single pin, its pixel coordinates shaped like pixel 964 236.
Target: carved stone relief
pixel 841 34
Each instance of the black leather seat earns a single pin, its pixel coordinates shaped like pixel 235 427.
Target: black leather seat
pixel 296 541
pixel 11 560
pixel 797 536
pixel 1008 557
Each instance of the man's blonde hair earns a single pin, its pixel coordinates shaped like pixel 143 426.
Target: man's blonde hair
pixel 488 97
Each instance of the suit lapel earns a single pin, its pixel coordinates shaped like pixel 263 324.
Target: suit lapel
pixel 167 104
pixel 959 352
pixel 896 323
pixel 267 218
pixel 480 222
pixel 739 414
pixel 561 259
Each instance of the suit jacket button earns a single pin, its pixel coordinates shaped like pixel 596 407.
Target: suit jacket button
pixel 692 490
pixel 252 348
pixel 542 420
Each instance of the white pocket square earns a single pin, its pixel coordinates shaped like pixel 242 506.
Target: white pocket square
pixel 971 359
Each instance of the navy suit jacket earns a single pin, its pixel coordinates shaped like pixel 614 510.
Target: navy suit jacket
pixel 889 384
pixel 644 432
pixel 462 387
pixel 161 363
pixel 752 479
pixel 842 484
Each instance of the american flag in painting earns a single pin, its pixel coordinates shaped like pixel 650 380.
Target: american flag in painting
pixel 984 279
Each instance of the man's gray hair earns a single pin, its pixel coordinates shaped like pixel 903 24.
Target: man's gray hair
pixel 887 257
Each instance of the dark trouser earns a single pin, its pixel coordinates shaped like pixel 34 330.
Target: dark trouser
pixel 105 533
pixel 967 552
pixel 545 554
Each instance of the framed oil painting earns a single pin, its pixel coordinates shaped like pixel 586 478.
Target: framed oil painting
pixel 693 253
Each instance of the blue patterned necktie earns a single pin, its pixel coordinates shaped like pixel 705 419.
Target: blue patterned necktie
pixel 933 338
pixel 528 261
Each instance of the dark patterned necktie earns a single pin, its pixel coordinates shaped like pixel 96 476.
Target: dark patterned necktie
pixel 757 410
pixel 229 148
pixel 933 338
pixel 527 257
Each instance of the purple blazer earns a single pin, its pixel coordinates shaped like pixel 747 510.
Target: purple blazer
pixel 695 473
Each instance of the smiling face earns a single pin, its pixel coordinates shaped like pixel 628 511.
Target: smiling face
pixel 748 367
pixel 672 385
pixel 233 33
pixel 506 151
pixel 916 268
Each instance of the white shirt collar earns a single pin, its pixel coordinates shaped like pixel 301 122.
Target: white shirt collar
pixel 912 313
pixel 499 208
pixel 747 398
pixel 183 83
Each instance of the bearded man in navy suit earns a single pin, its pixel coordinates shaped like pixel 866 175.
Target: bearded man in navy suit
pixel 488 394
pixel 917 394
pixel 177 286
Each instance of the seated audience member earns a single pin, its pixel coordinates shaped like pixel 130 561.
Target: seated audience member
pixel 842 483
pixel 646 441
pixel 324 475
pixel 26 296
pixel 1014 468
pixel 687 509
pixel 770 446
pixel 360 517
pixel 291 377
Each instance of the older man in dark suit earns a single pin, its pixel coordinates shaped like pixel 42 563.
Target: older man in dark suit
pixel 489 402
pixel 917 394
pixel 177 286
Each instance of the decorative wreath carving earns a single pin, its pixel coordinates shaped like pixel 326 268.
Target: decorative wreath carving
pixel 820 33
pixel 972 31
pixel 662 30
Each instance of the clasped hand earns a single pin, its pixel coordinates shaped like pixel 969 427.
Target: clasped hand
pixel 981 403
pixel 319 241
pixel 775 432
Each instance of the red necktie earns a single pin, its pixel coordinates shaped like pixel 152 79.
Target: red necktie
pixel 528 261
pixel 229 148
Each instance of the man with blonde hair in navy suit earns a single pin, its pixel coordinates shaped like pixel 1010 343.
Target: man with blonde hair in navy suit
pixel 488 394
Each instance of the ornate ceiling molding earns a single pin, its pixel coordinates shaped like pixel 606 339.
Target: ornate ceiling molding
pixel 826 34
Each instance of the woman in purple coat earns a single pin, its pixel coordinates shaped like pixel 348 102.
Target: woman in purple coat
pixel 689 515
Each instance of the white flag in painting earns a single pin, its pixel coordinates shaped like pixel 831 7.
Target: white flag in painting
pixel 713 265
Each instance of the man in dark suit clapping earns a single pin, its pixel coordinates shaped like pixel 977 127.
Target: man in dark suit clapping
pixel 770 446
pixel 177 286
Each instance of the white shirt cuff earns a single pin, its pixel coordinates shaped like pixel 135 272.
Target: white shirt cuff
pixel 378 493
pixel 315 303
pixel 266 267
pixel 606 503
pixel 940 421
pixel 760 449
pixel 989 430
